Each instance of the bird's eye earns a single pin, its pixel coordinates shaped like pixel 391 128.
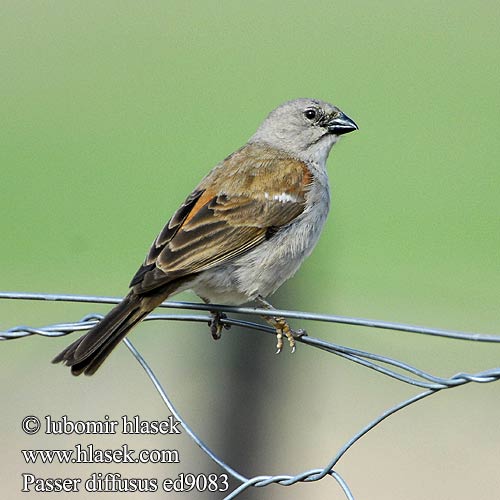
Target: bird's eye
pixel 311 113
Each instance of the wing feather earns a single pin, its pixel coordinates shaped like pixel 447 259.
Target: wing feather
pixel 242 202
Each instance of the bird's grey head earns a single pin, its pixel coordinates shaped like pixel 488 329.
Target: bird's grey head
pixel 304 128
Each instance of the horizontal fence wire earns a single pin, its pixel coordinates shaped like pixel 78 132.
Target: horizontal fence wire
pixel 390 367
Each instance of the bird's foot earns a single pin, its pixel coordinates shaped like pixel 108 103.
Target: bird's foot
pixel 282 327
pixel 216 324
pixel 280 324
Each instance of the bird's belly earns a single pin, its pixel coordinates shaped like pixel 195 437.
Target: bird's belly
pixel 262 270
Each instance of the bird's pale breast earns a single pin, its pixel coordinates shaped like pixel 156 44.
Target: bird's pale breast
pixel 265 268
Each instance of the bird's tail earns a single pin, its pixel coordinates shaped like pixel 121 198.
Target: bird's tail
pixel 87 354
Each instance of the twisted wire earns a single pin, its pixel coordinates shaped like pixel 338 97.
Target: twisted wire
pixel 390 367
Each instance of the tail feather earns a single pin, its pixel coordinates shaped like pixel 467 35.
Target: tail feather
pixel 86 354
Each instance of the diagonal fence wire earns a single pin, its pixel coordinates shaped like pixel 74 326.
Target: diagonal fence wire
pixel 385 365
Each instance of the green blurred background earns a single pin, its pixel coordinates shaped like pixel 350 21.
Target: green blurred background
pixel 112 112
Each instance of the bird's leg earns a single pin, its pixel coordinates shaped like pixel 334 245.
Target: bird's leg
pixel 215 322
pixel 280 324
pixel 216 325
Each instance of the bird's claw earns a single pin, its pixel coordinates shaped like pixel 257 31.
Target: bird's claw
pixel 216 324
pixel 283 328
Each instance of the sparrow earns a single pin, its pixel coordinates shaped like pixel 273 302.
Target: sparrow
pixel 244 230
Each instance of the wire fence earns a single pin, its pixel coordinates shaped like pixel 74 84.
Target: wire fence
pixel 390 367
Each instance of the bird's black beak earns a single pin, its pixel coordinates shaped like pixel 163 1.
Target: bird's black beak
pixel 341 124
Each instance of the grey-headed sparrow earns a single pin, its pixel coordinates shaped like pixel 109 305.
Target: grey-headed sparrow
pixel 242 232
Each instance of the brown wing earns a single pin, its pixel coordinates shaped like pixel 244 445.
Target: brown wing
pixel 240 203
